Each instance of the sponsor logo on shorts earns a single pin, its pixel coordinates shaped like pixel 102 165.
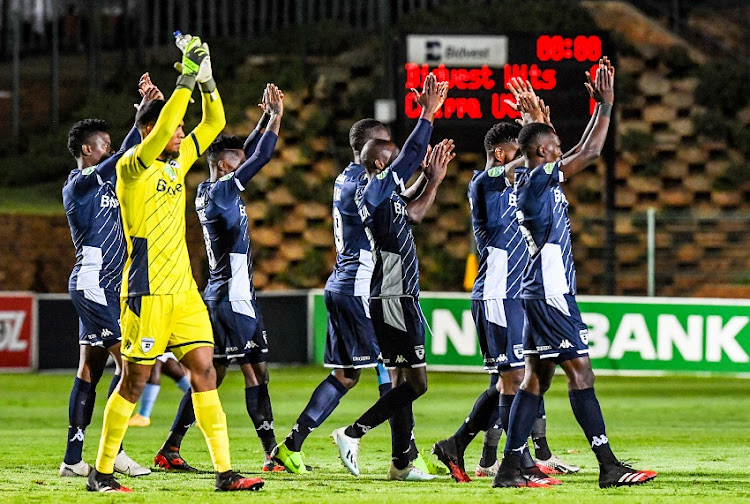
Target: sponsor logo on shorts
pixel 565 344
pixel 360 358
pixel 543 348
pixel 419 351
pixel 147 344
pixel 400 359
pixel 231 349
pixel 250 345
pixel 265 337
pixel 584 335
pixel 502 358
pixel 106 333
pixel 518 351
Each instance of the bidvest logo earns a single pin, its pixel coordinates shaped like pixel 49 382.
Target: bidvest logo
pixel 457 50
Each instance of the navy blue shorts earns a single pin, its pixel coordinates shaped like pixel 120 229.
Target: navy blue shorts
pixel 500 332
pixel 553 329
pixel 98 316
pixel 399 327
pixel 239 334
pixel 351 339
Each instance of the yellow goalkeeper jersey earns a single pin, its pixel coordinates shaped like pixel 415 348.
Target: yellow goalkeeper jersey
pixel 152 199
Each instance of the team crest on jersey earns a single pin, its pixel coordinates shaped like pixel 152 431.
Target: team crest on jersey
pixel 169 168
pixel 548 168
pixel 419 351
pixel 584 335
pixel 496 171
pixel 88 171
pixel 227 176
pixel 147 344
pixel 383 174
pixel 518 351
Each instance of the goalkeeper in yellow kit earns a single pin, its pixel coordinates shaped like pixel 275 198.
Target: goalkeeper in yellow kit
pixel 161 307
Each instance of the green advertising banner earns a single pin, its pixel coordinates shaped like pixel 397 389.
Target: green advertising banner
pixel 626 334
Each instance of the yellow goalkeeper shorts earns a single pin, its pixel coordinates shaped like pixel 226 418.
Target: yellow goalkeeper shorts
pixel 152 325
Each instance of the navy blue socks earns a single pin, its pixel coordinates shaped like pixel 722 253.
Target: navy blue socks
pixel 323 401
pixel 80 409
pixel 589 416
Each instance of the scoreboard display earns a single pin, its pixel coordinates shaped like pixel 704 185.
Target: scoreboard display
pixel 477 68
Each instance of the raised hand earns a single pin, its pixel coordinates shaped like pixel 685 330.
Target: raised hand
pixel 273 100
pixel 437 166
pixel 146 87
pixel 604 87
pixel 432 96
pixel 591 86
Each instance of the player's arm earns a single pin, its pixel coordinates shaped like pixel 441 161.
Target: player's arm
pixel 437 166
pixel 149 92
pixel 273 100
pixel 418 186
pixel 252 140
pixel 213 119
pixel 594 141
pixel 144 155
pixel 596 96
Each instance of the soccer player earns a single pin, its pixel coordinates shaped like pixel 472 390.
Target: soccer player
pixel 161 307
pixel 554 333
pixel 351 344
pixel 165 364
pixel 394 292
pixel 93 213
pixel 237 325
pixel 498 313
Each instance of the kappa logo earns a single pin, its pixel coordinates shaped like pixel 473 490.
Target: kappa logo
pixel 364 428
pixel 518 351
pixel 78 436
pixel 400 359
pixel 419 351
pixel 584 335
pixel 565 344
pixel 147 344
pixel 106 333
pixel 599 440
pixel 502 358
pixel 266 425
pixel 250 344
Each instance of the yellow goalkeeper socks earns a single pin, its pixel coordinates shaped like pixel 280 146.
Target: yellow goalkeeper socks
pixel 116 416
pixel 212 422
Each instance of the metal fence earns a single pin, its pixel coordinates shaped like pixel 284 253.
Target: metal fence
pixel 683 253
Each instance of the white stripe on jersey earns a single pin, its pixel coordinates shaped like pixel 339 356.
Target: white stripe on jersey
pixel 239 284
pixel 91 265
pixel 363 277
pixel 497 273
pixel 553 271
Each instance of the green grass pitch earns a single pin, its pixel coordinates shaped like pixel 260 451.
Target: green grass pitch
pixel 694 431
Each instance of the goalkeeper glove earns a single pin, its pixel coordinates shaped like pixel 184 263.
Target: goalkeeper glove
pixel 195 54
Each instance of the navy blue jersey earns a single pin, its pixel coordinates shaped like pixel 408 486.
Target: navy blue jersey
pixel 543 217
pixel 501 247
pixel 384 214
pixel 223 220
pixel 93 213
pixel 352 272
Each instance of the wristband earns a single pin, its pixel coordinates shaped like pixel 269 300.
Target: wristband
pixel 186 81
pixel 264 120
pixel 207 87
pixel 605 109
